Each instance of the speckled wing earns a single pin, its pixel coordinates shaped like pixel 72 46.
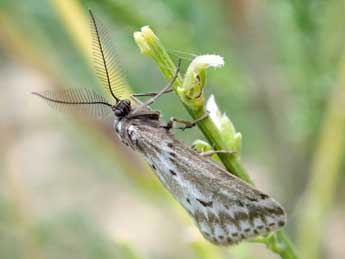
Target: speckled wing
pixel 225 209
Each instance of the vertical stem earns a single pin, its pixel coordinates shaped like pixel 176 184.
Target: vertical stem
pixel 211 132
pixel 325 171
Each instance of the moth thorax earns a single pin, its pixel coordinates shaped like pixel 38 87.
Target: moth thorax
pixel 122 108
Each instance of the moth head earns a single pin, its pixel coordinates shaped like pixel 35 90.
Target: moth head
pixel 122 108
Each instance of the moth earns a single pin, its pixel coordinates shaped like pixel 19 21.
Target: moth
pixel 224 208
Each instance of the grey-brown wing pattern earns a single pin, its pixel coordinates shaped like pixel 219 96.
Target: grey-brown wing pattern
pixel 225 209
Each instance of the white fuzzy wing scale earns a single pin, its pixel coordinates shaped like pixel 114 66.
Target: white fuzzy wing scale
pixel 225 209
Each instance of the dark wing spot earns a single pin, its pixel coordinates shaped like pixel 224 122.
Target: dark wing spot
pixel 188 200
pixel 275 211
pixel 129 132
pixel 271 224
pixel 240 216
pixel 170 145
pixel 172 160
pixel 240 203
pixel 220 237
pixel 153 166
pixel 252 199
pixel 281 223
pixel 247 230
pixel 235 234
pixel 172 154
pixel 205 203
pixel 260 227
pixel 229 240
pixel 172 172
pixel 256 232
pixel 264 196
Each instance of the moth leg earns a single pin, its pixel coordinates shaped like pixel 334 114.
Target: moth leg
pixel 166 88
pixel 187 124
pixel 137 100
pixel 212 152
pixel 151 93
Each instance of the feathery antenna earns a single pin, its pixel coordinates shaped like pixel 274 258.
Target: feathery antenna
pixel 78 99
pixel 105 59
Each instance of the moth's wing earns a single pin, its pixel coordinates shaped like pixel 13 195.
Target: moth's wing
pixel 231 210
pixel 106 62
pixel 78 100
pixel 225 209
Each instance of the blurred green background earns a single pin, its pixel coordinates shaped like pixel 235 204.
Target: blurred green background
pixel 69 189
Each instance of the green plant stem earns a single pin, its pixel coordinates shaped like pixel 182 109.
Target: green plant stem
pixel 211 132
pixel 280 244
pixel 150 45
pixel 325 171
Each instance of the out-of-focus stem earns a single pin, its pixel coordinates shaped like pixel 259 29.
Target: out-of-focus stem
pixel 325 171
pixel 73 17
